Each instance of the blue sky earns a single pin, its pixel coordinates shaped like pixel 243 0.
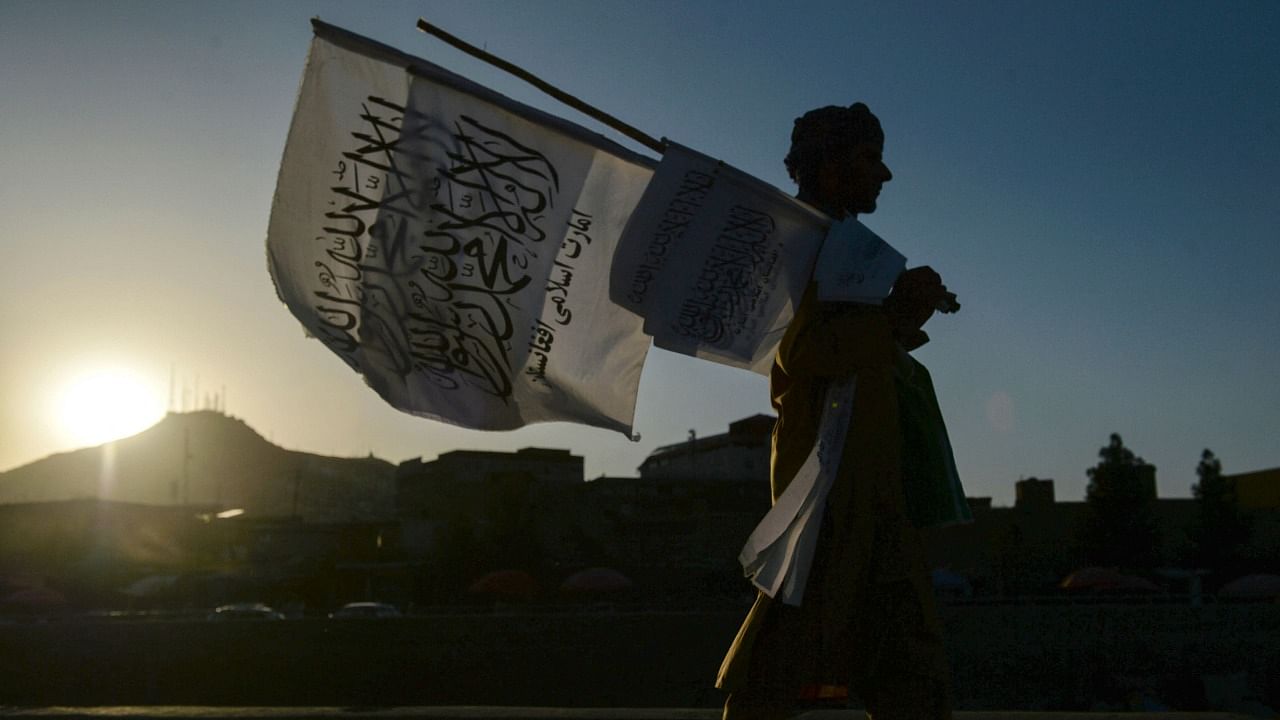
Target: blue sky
pixel 1099 182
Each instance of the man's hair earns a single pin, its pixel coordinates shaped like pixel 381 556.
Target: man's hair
pixel 828 129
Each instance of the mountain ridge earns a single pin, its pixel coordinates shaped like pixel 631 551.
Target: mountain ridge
pixel 208 458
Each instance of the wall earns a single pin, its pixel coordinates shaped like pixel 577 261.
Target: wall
pixel 1005 658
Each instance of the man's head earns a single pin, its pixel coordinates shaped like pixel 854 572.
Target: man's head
pixel 836 159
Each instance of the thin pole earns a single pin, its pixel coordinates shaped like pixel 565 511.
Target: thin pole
pixel 186 466
pixel 644 139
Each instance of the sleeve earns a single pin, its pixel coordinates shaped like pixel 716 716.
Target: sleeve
pixel 835 339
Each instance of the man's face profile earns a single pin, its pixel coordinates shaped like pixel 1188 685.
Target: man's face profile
pixel 851 182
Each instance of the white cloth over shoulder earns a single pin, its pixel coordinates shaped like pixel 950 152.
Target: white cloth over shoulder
pixel 779 552
pixel 855 265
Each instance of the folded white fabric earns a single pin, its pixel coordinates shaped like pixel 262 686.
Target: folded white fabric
pixel 779 553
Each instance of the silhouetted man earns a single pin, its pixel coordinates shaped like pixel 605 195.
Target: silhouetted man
pixel 867 622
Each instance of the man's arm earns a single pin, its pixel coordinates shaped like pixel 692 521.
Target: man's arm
pixel 835 339
pixel 916 295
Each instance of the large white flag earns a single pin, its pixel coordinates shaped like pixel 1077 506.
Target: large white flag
pixel 452 245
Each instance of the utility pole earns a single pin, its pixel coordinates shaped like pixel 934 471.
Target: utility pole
pixel 693 454
pixel 186 466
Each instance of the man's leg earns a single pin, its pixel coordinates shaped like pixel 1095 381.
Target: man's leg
pixel 909 676
pixel 909 697
pixel 746 704
pixel 781 661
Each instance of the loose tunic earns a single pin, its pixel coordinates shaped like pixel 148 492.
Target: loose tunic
pixel 868 609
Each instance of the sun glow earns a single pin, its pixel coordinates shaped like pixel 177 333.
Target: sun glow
pixel 107 404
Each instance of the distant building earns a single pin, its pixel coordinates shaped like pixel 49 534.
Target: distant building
pixel 1258 495
pixel 672 526
pixel 1031 546
pixel 62 538
pixel 320 564
pixel 682 523
pixel 1147 480
pixel 740 454
pixel 1259 490
pixel 419 483
pixel 679 525
pixel 192 555
pixel 1033 494
pixel 479 510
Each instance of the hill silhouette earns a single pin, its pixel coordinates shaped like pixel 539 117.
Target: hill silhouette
pixel 228 464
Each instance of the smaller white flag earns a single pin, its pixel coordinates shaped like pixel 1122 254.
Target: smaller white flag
pixel 716 260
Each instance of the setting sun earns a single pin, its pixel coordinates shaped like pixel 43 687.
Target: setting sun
pixel 107 404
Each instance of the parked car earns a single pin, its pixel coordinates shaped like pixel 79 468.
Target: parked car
pixel 244 611
pixel 365 610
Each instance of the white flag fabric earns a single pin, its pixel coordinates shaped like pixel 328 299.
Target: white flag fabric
pixel 716 261
pixel 856 265
pixel 779 553
pixel 453 246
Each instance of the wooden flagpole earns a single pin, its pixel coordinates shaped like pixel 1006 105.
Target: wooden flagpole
pixel 546 87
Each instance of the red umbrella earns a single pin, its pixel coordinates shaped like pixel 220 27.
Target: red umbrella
pixel 1252 586
pixel 511 583
pixel 594 580
pixel 1108 579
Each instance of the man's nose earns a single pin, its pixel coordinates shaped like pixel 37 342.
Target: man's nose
pixel 886 174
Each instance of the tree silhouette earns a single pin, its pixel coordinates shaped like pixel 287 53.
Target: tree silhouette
pixel 1220 530
pixel 1119 525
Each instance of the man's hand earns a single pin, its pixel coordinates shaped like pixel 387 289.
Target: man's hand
pixel 916 295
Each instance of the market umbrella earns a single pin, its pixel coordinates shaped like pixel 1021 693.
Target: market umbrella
pixel 1252 586
pixel 1106 579
pixel 596 580
pixel 509 583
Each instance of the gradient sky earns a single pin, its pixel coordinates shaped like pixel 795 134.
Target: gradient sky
pixel 1099 182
